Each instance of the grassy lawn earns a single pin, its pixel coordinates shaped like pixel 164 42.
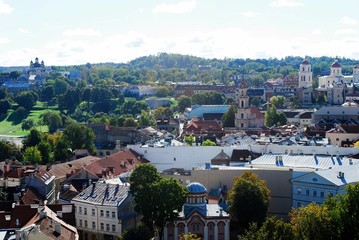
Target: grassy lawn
pixel 10 124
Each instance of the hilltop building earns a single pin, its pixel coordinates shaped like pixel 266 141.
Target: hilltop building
pixel 305 89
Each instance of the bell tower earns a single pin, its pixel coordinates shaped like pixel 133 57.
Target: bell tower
pixel 243 111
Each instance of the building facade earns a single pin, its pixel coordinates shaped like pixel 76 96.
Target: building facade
pixel 208 221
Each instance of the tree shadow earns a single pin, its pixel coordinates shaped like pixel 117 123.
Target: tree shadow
pixel 16 118
pixel 3 117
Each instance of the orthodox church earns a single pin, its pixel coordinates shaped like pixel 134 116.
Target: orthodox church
pixel 208 221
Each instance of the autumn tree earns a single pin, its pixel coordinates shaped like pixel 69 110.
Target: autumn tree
pixel 248 199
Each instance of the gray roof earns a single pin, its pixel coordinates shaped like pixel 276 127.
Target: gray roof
pixel 351 175
pixel 303 161
pixel 213 210
pixel 221 156
pixel 103 194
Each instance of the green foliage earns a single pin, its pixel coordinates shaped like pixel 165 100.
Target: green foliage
pixel 189 140
pixel 60 86
pixel 140 232
pixel 209 143
pixel 33 138
pixel 145 119
pixel 274 118
pixel 208 98
pixel 26 99
pixel 163 91
pixel 158 199
pixel 5 105
pixel 52 120
pixel 272 228
pixel 248 200
pixel 161 112
pixel 79 137
pixel 46 151
pixel 130 122
pixel 189 236
pixel 228 118
pixel 8 150
pixel 32 155
pixel 184 102
pixel 27 124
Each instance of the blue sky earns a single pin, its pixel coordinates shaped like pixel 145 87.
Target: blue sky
pixel 79 31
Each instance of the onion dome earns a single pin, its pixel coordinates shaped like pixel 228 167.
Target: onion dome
pixel 196 187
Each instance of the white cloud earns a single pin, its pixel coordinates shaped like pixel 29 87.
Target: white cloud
pixel 81 32
pixel 348 21
pixel 317 31
pixel 4 40
pixel 286 3
pixel 180 7
pixel 345 31
pixel 5 8
pixel 23 30
pixel 249 14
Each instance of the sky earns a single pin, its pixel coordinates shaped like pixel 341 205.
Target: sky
pixel 73 32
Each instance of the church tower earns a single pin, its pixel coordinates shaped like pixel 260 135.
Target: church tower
pixel 243 111
pixel 305 75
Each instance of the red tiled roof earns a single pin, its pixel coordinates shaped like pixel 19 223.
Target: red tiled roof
pixel 31 197
pixel 121 162
pixel 255 110
pixel 24 214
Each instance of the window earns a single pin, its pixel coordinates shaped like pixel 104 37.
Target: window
pixel 101 213
pixel 299 204
pixel 314 193
pixel 299 191
pixel 113 228
pixel 93 212
pixel 85 211
pixel 113 214
pixel 107 214
pixel 93 225
pixel 108 227
pixel 85 223
pixel 102 226
pixel 307 192
pixel 80 210
pixel 321 194
pixel 80 223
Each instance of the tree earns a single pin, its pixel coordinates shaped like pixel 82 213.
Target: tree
pixel 208 143
pixel 228 118
pixel 140 232
pixel 52 120
pixel 8 150
pixel 274 118
pixel 161 112
pixel 33 138
pixel 48 93
pixel 248 200
pixel 130 122
pixel 45 150
pixel 313 222
pixel 60 86
pixel 32 155
pixel 79 137
pixel 5 105
pixel 158 199
pixel 184 102
pixel 162 91
pixel 26 99
pixel 189 140
pixel 27 124
pixel 145 119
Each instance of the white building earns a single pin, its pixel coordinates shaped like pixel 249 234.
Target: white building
pixel 305 89
pixel 318 185
pixel 104 210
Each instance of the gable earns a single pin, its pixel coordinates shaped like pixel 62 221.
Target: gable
pixel 312 178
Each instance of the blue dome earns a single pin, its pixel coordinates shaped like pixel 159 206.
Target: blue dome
pixel 196 187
